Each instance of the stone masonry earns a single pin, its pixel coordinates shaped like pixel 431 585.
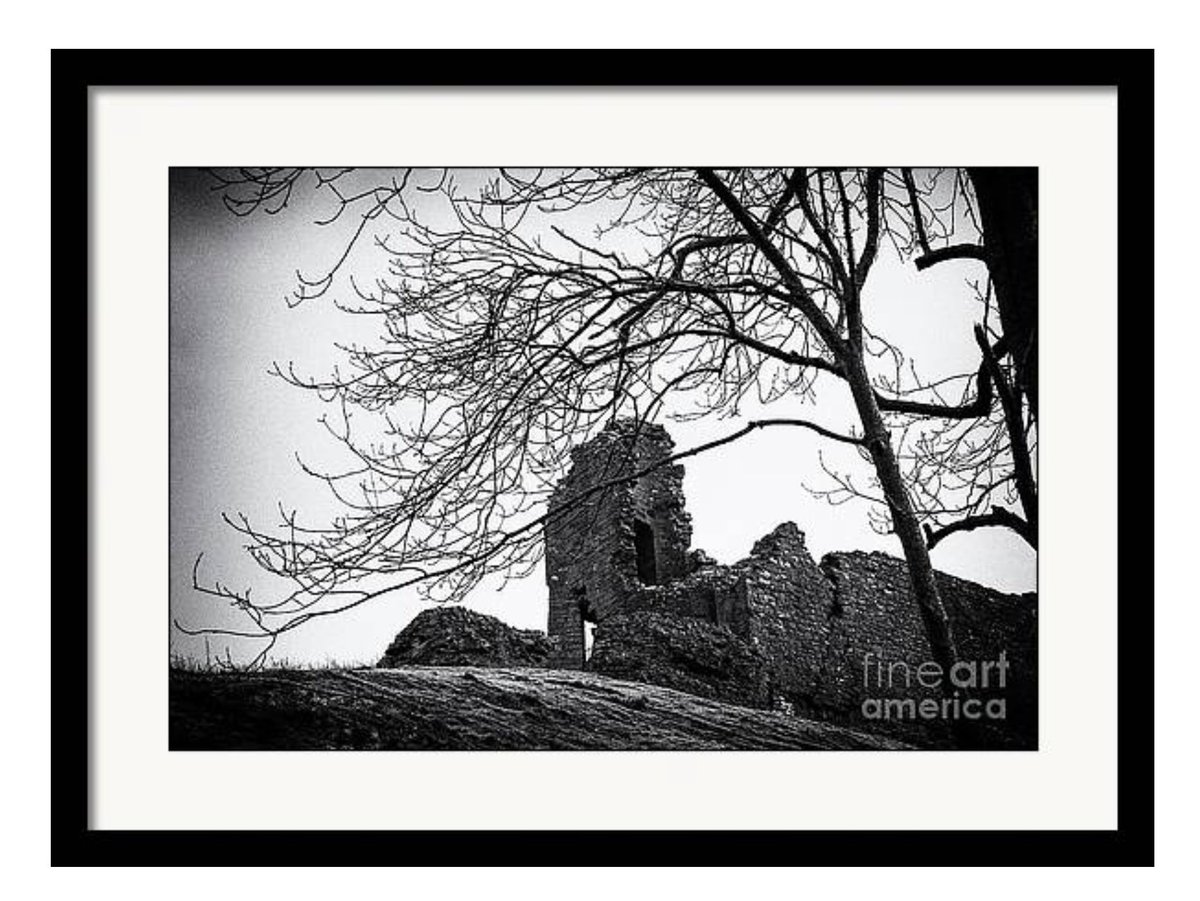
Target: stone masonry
pixel 773 630
pixel 612 541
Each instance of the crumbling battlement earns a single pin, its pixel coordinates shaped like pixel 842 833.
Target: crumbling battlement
pixel 620 559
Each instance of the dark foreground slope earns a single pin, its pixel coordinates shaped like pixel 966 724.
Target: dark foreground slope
pixel 468 708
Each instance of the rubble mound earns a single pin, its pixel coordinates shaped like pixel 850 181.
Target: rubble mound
pixel 455 636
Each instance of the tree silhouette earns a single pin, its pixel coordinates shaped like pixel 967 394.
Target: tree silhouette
pixel 520 312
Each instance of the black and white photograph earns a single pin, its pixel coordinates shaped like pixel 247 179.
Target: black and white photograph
pixel 603 458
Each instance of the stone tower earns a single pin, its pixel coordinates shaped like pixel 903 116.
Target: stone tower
pixel 605 543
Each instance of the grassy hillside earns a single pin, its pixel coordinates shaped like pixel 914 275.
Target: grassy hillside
pixel 471 708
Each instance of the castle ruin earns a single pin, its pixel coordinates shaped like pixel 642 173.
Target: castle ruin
pixel 776 629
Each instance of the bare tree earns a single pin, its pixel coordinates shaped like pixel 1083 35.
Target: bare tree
pixel 524 311
pixel 1001 205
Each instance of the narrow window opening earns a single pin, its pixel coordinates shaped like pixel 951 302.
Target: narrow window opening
pixel 589 636
pixel 586 621
pixel 643 543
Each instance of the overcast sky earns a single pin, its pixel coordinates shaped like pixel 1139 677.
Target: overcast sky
pixel 235 430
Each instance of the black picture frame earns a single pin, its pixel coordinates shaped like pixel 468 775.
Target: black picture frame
pixel 76 72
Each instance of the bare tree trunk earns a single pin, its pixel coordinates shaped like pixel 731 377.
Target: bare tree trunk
pixel 849 354
pixel 1008 209
pixel 938 627
pixel 904 520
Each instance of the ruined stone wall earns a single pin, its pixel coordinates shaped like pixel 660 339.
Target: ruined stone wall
pixel 681 652
pixel 711 593
pixel 812 627
pixel 817 627
pixel 592 559
pixel 789 603
pixel 877 614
